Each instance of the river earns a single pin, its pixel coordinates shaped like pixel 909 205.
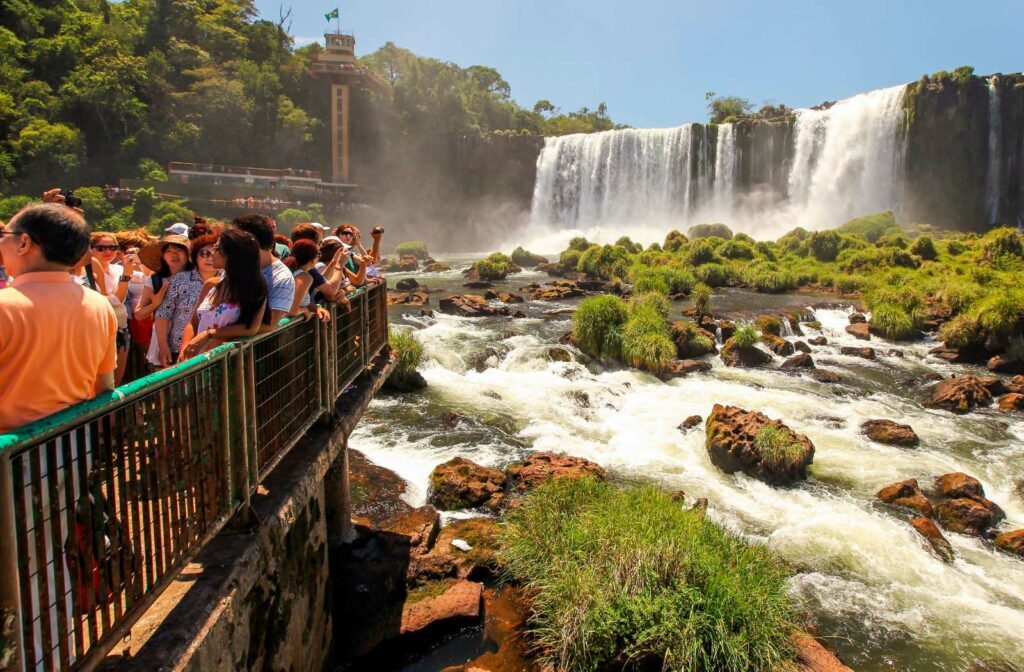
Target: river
pixel 877 594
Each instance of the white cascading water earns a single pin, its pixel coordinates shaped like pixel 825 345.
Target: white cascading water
pixel 995 141
pixel 848 161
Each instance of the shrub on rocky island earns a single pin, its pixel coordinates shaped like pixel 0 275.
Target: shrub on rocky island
pixel 495 267
pixel 710 231
pixel 521 257
pixel 406 377
pixel 412 248
pixel 597 325
pixel 697 598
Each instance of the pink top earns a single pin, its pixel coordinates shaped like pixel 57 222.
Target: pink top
pixel 214 317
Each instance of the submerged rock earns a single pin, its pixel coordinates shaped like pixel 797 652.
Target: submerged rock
pixel 907 494
pixel 462 484
pixel 864 353
pixel 778 345
pixel 890 433
pixel 818 340
pixel 734 444
pixel 823 376
pixel 801 361
pixel 691 422
pixel 678 368
pixel 960 395
pixel 933 535
pixel 544 466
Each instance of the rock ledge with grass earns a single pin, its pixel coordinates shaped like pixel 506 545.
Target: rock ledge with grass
pixel 751 442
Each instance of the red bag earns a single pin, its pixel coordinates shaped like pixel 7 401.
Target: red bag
pixel 141 330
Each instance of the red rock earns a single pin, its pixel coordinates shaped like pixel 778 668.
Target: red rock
pixel 860 331
pixel 691 422
pixel 907 494
pixel 958 484
pixel 544 466
pixel 419 525
pixel 462 484
pixel 818 340
pixel 1012 542
pixel 1011 402
pixel 864 353
pixel 933 535
pixel 966 516
pixel 471 305
pixel 751 357
pixel 458 603
pixel 890 433
pixel 678 368
pixel 961 394
pixel 778 345
pixel 811 656
pixel 731 445
pixel 993 384
pixel 801 361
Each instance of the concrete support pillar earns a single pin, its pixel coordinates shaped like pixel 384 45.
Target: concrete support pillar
pixel 338 499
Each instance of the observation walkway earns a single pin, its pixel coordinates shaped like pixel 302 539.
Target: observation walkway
pixel 104 504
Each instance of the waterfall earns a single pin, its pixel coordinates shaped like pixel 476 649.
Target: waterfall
pixel 995 141
pixel 847 161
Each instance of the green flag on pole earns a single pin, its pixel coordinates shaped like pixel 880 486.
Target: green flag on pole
pixel 333 14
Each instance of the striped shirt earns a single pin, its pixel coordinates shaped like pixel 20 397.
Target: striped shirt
pixel 280 287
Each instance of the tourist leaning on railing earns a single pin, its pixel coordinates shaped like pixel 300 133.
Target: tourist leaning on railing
pixel 114 285
pixel 280 282
pixel 302 262
pixel 57 339
pixel 233 304
pixel 182 298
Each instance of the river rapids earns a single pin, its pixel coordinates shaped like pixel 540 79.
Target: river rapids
pixel 876 592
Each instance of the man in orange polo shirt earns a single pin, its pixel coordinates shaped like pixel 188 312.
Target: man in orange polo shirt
pixel 57 338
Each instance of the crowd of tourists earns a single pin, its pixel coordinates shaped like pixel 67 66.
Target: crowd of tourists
pixel 83 311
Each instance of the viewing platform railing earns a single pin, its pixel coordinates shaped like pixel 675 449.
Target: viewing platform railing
pixel 102 504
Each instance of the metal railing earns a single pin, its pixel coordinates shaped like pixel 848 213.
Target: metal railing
pixel 103 503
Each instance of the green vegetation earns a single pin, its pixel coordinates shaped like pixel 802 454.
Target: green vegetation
pixel 690 340
pixel 413 248
pixel 777 445
pixel 628 579
pixel 746 336
pixel 871 227
pixel 646 341
pixel 893 322
pixel 769 324
pixel 410 354
pixel 710 231
pixel 702 300
pixel 526 259
pixel 495 267
pixel 597 325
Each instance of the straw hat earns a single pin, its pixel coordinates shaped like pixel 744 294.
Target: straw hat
pixel 150 255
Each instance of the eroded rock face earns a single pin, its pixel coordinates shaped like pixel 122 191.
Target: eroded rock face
pixel 907 494
pixel 460 602
pixel 1012 542
pixel 933 535
pixel 544 466
pixel 445 561
pixel 558 290
pixel 890 433
pixel 731 445
pixel 462 484
pixel 750 357
pixel 961 394
pixel 861 331
pixel 416 298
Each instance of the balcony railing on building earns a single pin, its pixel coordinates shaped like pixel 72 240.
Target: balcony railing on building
pixel 102 504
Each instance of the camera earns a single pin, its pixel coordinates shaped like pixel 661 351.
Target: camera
pixel 377 229
pixel 70 199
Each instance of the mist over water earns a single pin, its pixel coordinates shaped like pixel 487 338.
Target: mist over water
pixel 843 162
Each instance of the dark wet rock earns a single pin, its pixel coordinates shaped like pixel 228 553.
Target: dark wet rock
pixel 1012 542
pixel 927 528
pixel 691 422
pixel 749 357
pixel 895 353
pixel 460 603
pixel 478 284
pixel 858 318
pixel 918 381
pixel 966 516
pixel 558 290
pixel 890 433
pixel 993 384
pixel 727 329
pixel 462 484
pixel 678 495
pixel 907 494
pixel 519 315
pixel 414 299
pixel 732 446
pixel 861 331
pixel 682 367
pixel 436 267
pixel 568 338
pixel 471 305
pixel 818 340
pixel 1002 364
pixel 961 394
pixel 588 285
pixel 410 382
pixel 1016 384
pixel 483 360
pixel 491 295
pixel 559 355
pixel 451 419
pixel 530 288
pixel 427 312
pixel 544 466
pixel 823 376
pixel 509 297
pixel 1011 402
pixel 420 526
pixel 779 346
pixel 801 361
pixel 376 492
pixel 581 398
pixel 959 484
pixel 864 353
pixel 407 285
pixel 802 347
pixel 700 506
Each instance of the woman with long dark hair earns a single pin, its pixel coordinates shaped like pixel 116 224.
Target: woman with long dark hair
pixel 232 305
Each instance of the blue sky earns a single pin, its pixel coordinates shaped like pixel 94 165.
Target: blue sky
pixel 652 61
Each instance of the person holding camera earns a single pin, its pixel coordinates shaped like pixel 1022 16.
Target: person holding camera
pixel 113 284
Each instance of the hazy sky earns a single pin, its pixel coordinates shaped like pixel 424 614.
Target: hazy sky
pixel 653 60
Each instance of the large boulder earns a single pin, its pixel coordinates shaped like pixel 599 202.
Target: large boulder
pixel 678 368
pixel 462 484
pixel 544 466
pixel 966 516
pixel 739 440
pixel 959 484
pixel 863 353
pixel 471 305
pixel 778 345
pixel 420 526
pixel 961 394
pixel 890 433
pixel 907 494
pixel 861 331
pixel 459 603
pixel 446 561
pixel 801 361
pixel 927 528
pixel 1013 401
pixel 1012 542
pixel 558 290
pixel 818 340
pixel 733 355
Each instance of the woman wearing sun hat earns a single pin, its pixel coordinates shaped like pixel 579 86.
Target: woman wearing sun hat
pixel 167 257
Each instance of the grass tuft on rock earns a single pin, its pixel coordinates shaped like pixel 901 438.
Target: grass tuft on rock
pixel 777 445
pixel 597 324
pixel 746 336
pixel 410 356
pixel 893 322
pixel 627 578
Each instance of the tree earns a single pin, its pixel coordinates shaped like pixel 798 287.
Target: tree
pixel 544 106
pixel 723 109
